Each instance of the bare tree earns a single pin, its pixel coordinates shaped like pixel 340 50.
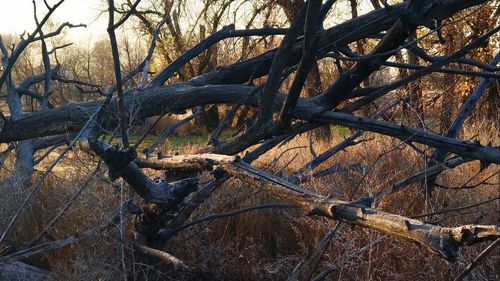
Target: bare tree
pixel 282 112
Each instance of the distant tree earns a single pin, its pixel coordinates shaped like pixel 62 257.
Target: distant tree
pixel 201 63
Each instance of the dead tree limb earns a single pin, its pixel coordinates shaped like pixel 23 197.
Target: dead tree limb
pixel 224 33
pixel 465 111
pixel 120 164
pixel 312 25
pixel 48 246
pixel 407 134
pixel 181 97
pixel 122 110
pixel 162 255
pixel 444 241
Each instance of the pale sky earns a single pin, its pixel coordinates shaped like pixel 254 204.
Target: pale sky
pixel 16 16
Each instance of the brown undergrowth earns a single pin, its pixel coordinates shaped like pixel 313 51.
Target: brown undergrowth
pixel 264 244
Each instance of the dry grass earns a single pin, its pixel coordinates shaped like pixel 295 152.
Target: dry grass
pixel 265 244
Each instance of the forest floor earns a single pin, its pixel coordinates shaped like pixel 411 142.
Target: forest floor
pixel 265 244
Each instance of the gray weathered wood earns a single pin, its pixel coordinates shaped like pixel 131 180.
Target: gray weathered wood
pixel 16 271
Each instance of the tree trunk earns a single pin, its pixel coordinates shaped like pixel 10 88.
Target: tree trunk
pixel 416 113
pixel 23 167
pixel 209 119
pixel 313 85
pixel 314 88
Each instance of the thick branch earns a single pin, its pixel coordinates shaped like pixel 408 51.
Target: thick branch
pixel 408 134
pixel 120 164
pixel 117 70
pixel 350 31
pixel 444 241
pixel 225 32
pixel 465 111
pixel 265 110
pixel 312 25
pixel 177 98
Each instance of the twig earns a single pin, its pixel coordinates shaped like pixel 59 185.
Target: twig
pixel 117 69
pixel 25 253
pixel 171 129
pixel 226 32
pixel 184 214
pixel 465 186
pixel 418 74
pixel 127 15
pixel 24 43
pixel 477 260
pixel 347 142
pixel 345 259
pixel 164 256
pixel 457 208
pixel 64 209
pixel 46 153
pixel 232 213
pixel 40 181
pixel 214 136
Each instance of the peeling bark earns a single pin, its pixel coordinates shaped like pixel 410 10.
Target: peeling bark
pixel 444 241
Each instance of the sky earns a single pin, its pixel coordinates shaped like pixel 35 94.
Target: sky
pixel 16 16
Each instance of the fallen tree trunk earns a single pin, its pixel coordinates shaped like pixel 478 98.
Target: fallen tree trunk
pixel 163 213
pixel 444 241
pixel 177 98
pixel 71 117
